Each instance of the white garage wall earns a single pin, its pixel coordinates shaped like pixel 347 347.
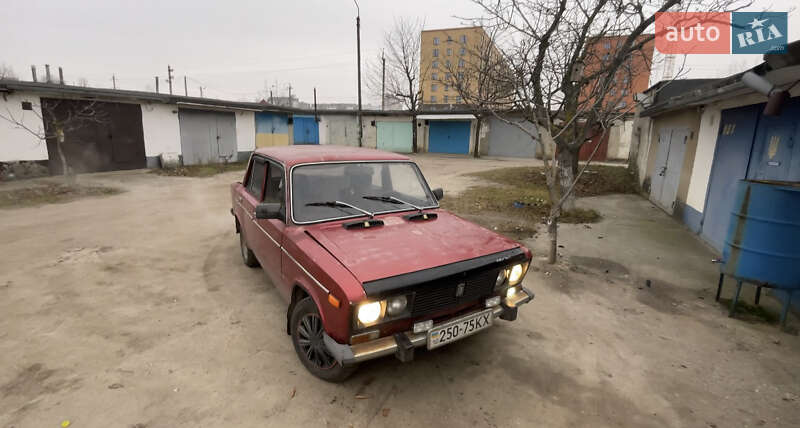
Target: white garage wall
pixel 15 142
pixel 245 131
pixel 162 132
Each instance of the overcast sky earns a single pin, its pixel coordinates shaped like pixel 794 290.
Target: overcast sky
pixel 233 48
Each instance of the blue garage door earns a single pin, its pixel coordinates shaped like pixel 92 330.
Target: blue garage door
pixel 776 154
pixel 737 127
pixel 306 130
pixel 449 137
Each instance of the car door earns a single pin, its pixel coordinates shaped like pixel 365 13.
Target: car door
pixel 249 198
pixel 268 248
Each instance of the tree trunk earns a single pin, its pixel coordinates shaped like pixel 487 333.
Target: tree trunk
pixel 567 160
pixel 414 132
pixel 552 232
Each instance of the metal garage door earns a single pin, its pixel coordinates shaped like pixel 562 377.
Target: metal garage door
pixel 306 130
pixel 272 129
pixel 776 154
pixel 448 136
pixel 112 139
pixel 341 130
pixel 510 141
pixel 207 136
pixel 731 155
pixel 669 163
pixel 394 136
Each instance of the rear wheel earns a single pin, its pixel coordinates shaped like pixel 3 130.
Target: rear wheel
pixel 248 257
pixel 307 337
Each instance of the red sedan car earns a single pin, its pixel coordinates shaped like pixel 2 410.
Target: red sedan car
pixel 368 263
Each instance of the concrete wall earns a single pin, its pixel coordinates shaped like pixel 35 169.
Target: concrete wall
pixel 15 142
pixel 161 128
pixel 245 131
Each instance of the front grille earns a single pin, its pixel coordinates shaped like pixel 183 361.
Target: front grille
pixel 441 294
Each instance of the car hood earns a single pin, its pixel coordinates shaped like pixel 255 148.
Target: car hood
pixel 401 246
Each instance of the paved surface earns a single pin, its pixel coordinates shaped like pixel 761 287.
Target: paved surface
pixel 135 310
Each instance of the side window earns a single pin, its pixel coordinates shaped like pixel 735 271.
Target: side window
pixel 255 183
pixel 275 185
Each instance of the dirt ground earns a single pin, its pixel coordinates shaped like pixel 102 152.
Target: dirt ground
pixel 134 310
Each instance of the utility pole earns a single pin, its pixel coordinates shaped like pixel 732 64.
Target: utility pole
pixel 169 77
pixel 33 73
pixel 316 117
pixel 383 81
pixel 358 59
pixel 114 81
pixel 157 84
pixel 60 76
pixel 201 92
pixel 290 95
pixel 47 72
pixel 185 87
pixel 270 96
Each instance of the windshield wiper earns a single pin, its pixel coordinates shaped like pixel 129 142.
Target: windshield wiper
pixel 339 204
pixel 392 200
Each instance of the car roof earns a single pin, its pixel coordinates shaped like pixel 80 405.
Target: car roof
pixel 293 155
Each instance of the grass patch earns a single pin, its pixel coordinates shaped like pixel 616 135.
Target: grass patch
pixel 750 313
pixel 596 180
pixel 51 193
pixel 201 170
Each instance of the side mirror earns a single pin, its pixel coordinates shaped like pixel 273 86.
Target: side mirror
pixel 439 193
pixel 269 210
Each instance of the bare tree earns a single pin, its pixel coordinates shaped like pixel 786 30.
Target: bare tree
pixel 569 64
pixel 59 118
pixel 7 73
pixel 402 49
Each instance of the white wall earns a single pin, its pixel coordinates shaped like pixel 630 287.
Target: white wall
pixel 246 131
pixel 15 142
pixel 161 128
pixel 619 139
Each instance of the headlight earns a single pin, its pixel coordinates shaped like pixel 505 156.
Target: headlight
pixel 396 305
pixel 369 313
pixel 501 278
pixel 511 292
pixel 516 273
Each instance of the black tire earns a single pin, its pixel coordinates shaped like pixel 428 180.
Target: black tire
pixel 307 329
pixel 248 257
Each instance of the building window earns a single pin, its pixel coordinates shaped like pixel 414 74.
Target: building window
pixel 458 98
pixel 436 52
pixel 622 104
pixel 449 52
pixel 447 77
pixel 460 75
pixel 433 98
pixel 446 100
pixel 606 45
pixel 461 63
pixel 434 76
pixel 446 87
pixel 463 51
pixel 605 57
pixel 447 63
pixel 435 40
pixel 449 38
pixel 435 64
pixel 463 38
pixel 624 92
pixel 434 87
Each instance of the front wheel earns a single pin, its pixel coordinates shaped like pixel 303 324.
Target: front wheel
pixel 307 337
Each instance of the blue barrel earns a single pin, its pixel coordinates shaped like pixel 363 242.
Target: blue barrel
pixel 763 241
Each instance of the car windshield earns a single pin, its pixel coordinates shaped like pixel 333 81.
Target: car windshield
pixel 324 191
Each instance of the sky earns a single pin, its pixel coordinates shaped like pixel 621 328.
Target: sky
pixel 236 49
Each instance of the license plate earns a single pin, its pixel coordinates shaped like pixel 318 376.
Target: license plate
pixel 459 329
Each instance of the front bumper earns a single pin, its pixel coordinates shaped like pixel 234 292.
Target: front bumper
pixel 402 344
